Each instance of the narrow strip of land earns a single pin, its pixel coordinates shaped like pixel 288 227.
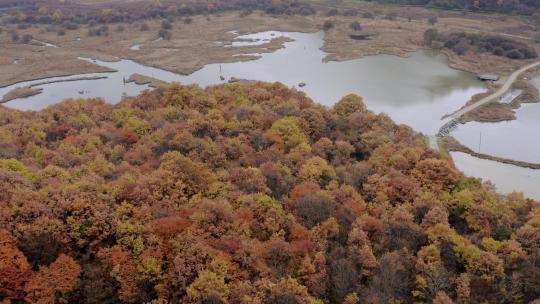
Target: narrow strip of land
pixel 432 142
pixel 500 92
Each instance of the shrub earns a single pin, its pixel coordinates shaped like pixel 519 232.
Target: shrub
pixel 332 12
pixel 368 15
pixel 166 25
pixel 144 27
pixel 350 12
pixel 26 38
pixel 328 25
pixel 165 34
pixel 391 16
pixel 14 36
pixel 355 26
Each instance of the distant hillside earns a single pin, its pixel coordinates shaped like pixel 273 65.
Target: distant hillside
pixel 248 193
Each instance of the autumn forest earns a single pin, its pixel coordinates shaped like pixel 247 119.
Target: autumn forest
pixel 248 193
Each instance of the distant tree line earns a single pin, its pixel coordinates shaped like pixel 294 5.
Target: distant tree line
pixel 461 42
pixel 58 12
pixel 527 7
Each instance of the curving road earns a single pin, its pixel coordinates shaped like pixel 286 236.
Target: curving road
pixel 506 86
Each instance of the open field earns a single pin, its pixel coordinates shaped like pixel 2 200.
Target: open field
pixel 27 62
pixel 204 41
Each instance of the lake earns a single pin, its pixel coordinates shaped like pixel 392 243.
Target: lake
pixel 423 87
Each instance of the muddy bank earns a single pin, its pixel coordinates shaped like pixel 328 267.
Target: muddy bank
pixel 69 80
pixel 36 63
pixel 190 66
pixel 101 69
pixel 20 93
pixel 142 80
pixel 32 90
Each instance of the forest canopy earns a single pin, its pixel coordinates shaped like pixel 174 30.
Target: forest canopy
pixel 461 42
pixel 248 193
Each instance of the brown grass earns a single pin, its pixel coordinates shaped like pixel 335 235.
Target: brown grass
pixel 491 112
pixel 495 111
pixel 142 79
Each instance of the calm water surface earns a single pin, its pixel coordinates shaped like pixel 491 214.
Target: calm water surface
pixel 516 139
pixel 507 178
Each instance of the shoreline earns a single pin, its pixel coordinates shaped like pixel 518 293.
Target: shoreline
pixel 452 145
pixel 402 51
pixel 29 91
pixel 495 111
pixel 139 79
pixel 68 80
pixel 20 93
pixel 60 75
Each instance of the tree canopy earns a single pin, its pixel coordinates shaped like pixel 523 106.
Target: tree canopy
pixel 248 193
